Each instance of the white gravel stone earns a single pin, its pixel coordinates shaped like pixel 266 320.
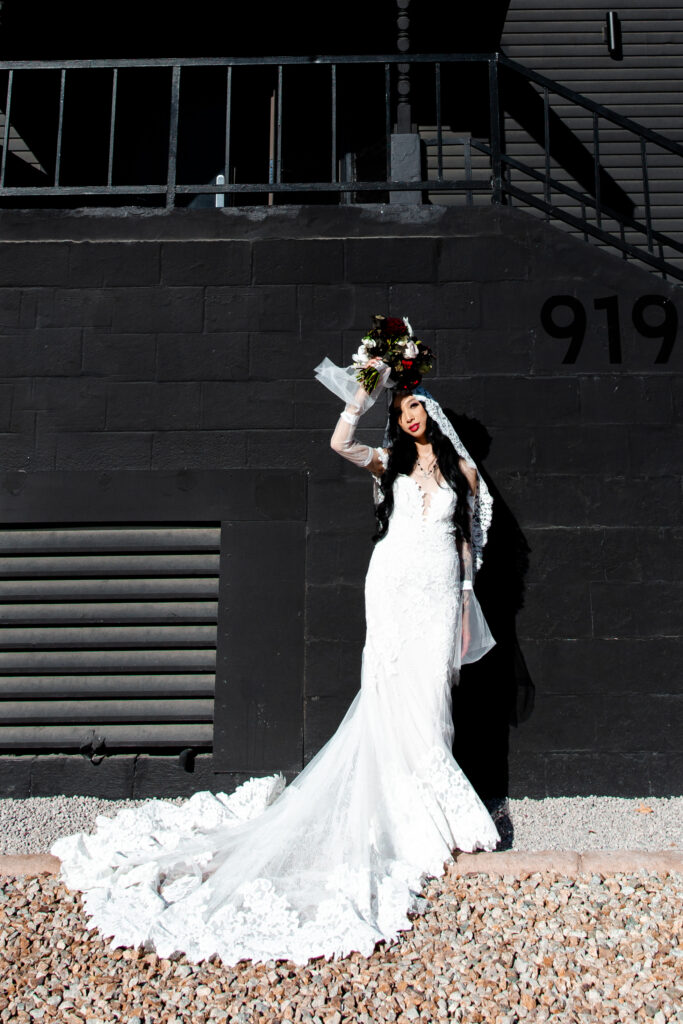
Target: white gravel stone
pixel 555 823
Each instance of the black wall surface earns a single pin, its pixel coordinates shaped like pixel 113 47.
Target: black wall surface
pixel 33 29
pixel 188 341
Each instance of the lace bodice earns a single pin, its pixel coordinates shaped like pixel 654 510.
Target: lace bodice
pixel 416 508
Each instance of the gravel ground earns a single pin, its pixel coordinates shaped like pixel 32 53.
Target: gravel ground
pixel 487 949
pixel 559 823
pixel 500 951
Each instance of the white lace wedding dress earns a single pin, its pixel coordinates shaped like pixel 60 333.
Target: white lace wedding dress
pixel 334 862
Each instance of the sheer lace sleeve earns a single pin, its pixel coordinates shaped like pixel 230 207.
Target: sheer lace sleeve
pixel 342 382
pixel 344 443
pixel 343 439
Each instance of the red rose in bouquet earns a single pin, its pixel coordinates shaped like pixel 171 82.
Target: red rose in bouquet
pixel 394 327
pixel 391 340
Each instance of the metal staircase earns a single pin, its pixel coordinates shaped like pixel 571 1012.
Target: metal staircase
pixel 586 168
pixel 579 165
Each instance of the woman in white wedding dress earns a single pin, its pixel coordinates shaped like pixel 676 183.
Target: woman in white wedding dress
pixel 334 862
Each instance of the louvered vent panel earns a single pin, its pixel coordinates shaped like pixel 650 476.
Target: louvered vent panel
pixel 108 634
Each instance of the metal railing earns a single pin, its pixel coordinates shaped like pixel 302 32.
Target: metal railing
pixel 235 131
pixel 170 186
pixel 600 208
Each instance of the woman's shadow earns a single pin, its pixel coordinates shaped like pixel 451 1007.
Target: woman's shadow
pixel 496 692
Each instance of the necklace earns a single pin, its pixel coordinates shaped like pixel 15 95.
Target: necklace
pixel 426 473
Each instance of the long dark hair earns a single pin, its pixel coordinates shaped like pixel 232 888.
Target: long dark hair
pixel 402 459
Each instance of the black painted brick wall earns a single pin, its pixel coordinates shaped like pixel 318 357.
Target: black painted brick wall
pixel 189 340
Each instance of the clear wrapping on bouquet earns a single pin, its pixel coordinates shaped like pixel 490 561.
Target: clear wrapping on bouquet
pixel 342 382
pixel 481 638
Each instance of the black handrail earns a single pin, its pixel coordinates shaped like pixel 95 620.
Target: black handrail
pixel 581 197
pixel 588 104
pixel 224 62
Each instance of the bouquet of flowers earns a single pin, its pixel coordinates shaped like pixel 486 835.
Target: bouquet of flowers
pixel 390 339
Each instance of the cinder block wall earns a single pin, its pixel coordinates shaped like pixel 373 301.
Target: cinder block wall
pixel 188 340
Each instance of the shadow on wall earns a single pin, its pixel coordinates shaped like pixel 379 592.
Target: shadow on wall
pixel 497 691
pixel 525 105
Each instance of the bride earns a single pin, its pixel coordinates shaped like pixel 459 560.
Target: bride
pixel 334 862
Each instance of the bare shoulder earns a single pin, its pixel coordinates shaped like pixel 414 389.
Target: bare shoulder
pixel 470 473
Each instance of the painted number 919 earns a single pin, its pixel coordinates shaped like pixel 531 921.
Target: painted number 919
pixel 665 326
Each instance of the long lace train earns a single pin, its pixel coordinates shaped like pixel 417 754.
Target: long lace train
pixel 334 862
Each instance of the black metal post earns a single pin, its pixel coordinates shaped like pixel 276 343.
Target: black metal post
pixel 468 168
pixel 228 124
pixel 494 110
pixel 278 142
pixel 173 139
pixel 112 125
pixel 333 141
pixel 439 126
pixel 546 146
pixel 60 126
pixel 646 193
pixel 596 169
pixel 403 107
pixel 5 143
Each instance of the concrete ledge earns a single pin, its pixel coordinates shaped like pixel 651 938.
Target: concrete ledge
pixel 251 222
pixel 521 863
pixel 568 862
pixel 606 862
pixel 517 862
pixel 29 864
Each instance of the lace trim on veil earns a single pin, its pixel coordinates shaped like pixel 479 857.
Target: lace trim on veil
pixel 482 511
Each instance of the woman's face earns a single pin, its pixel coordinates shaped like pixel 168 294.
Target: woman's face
pixel 412 417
